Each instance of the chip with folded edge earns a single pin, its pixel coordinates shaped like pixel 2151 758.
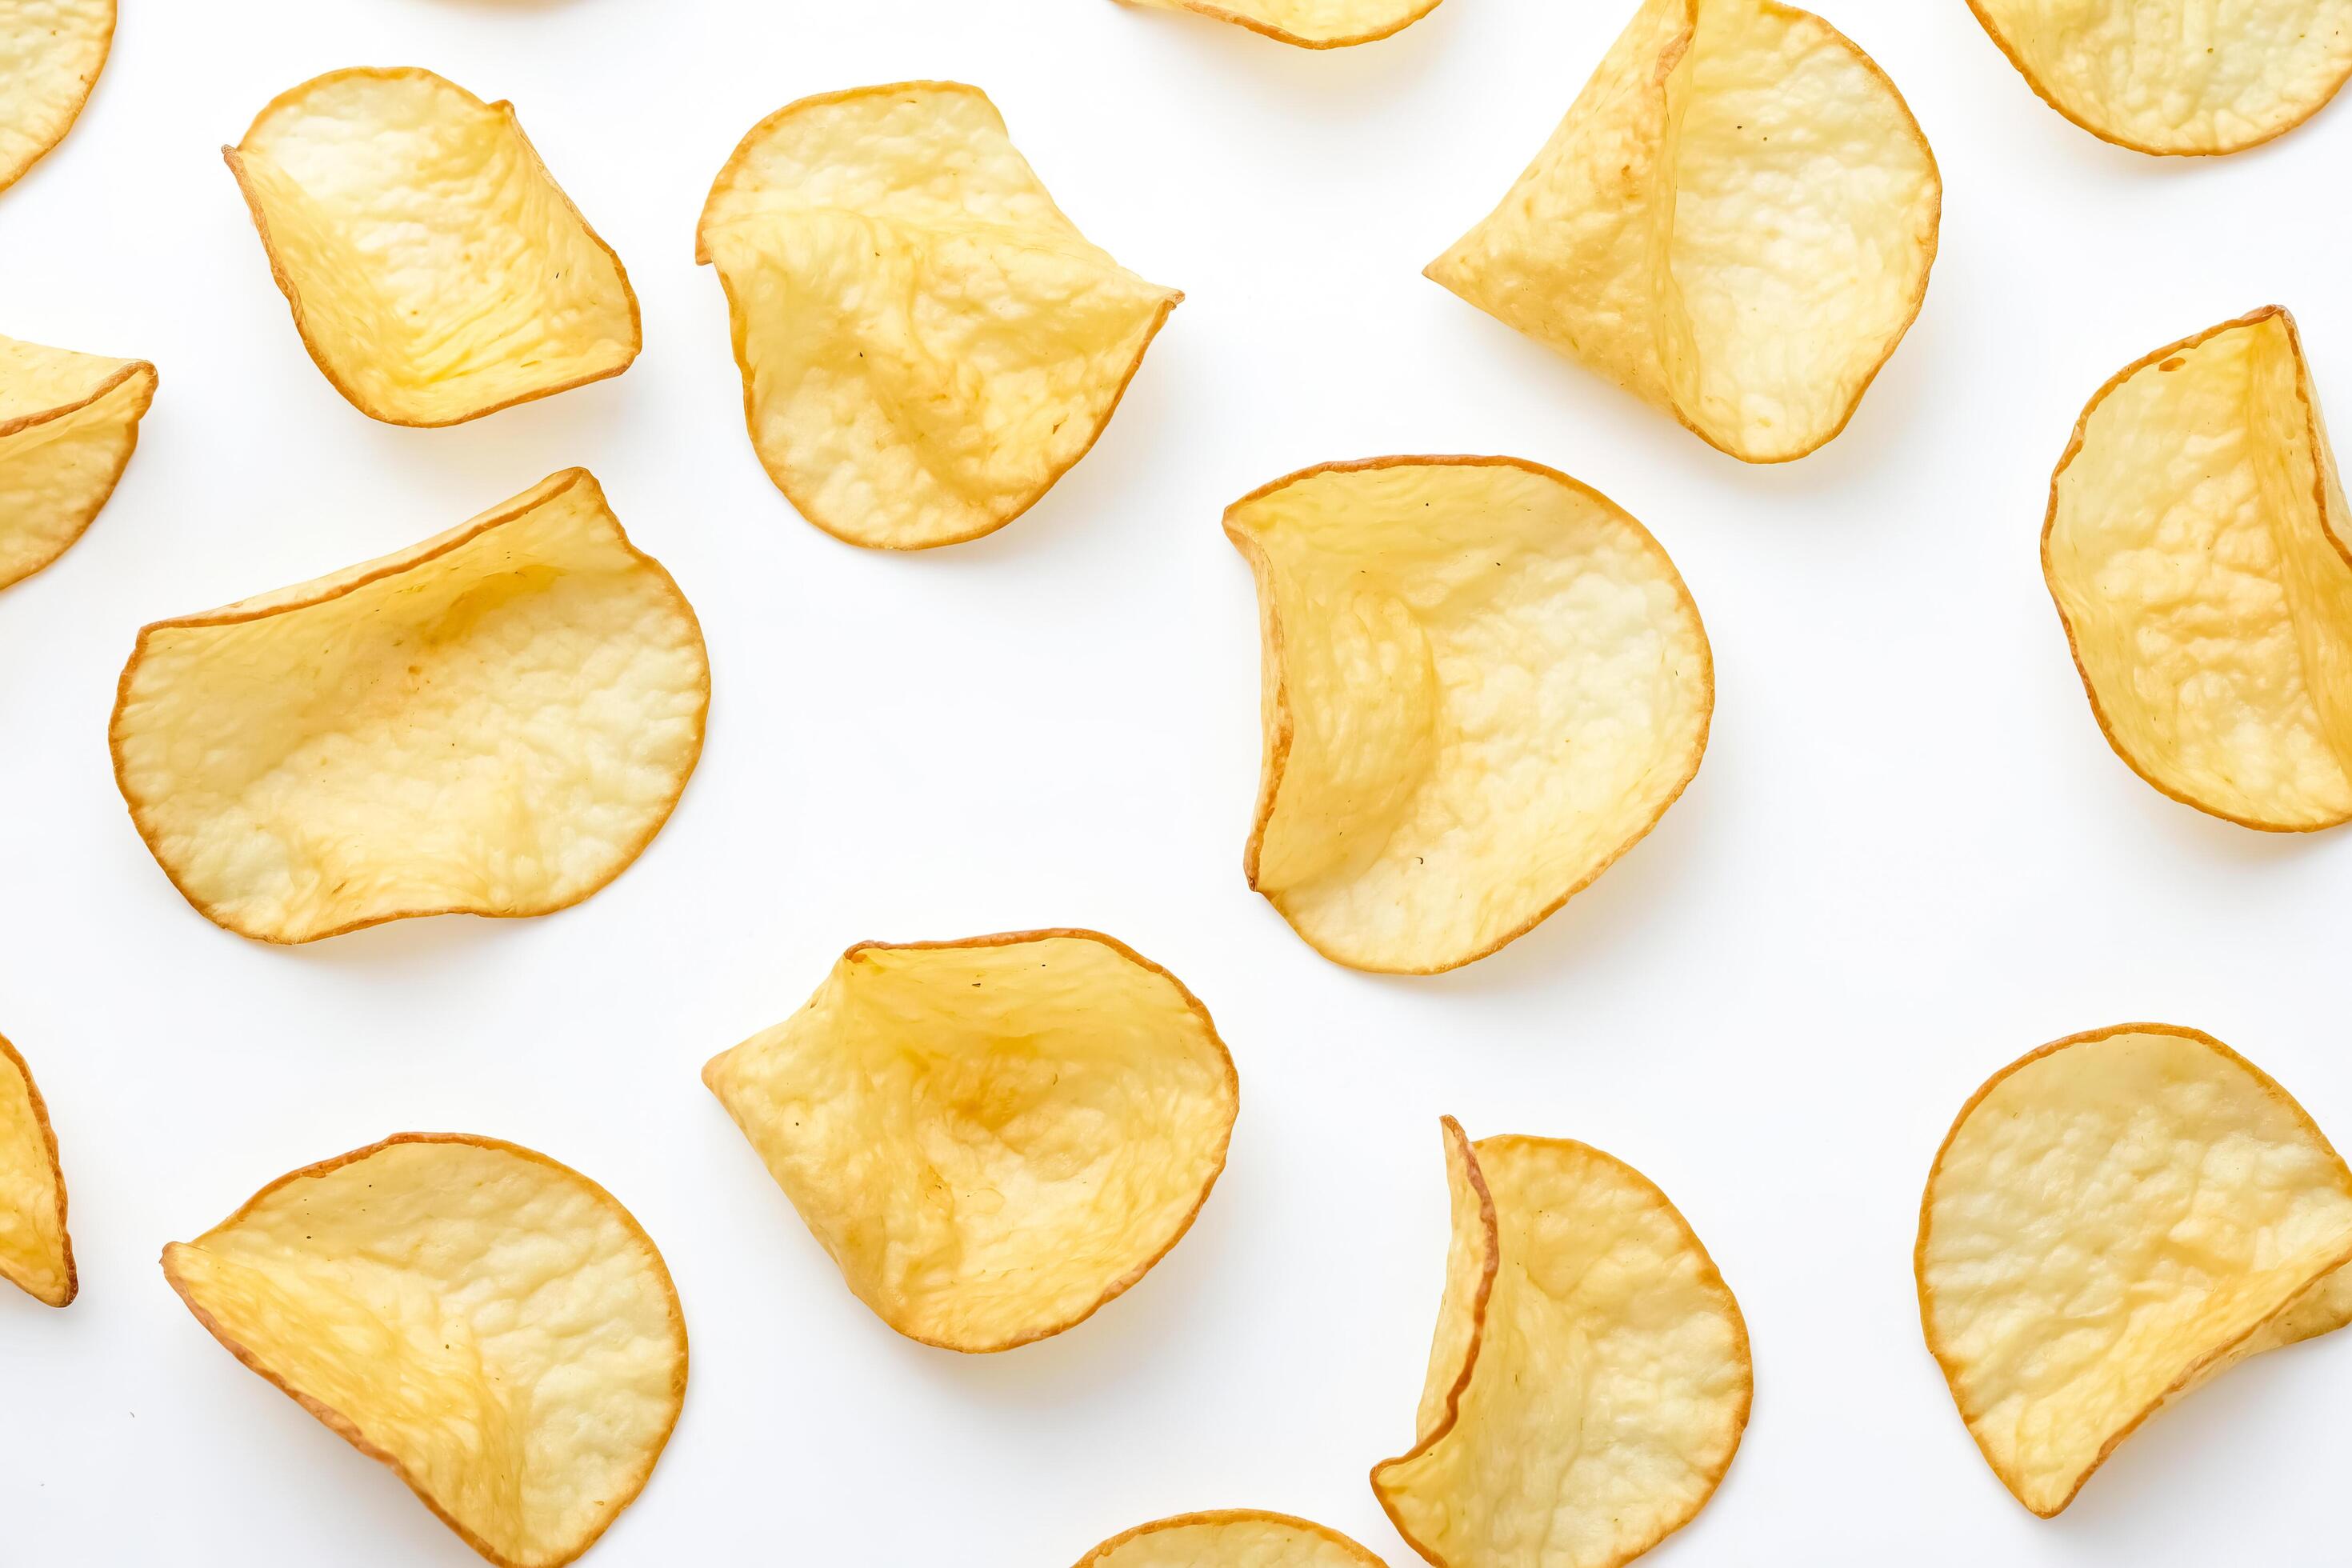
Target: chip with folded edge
pixel 50 54
pixel 36 1253
pixel 68 425
pixel 1309 24
pixel 1230 1538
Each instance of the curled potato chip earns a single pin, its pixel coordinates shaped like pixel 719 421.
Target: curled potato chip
pixel 927 343
pixel 2114 1219
pixel 493 1326
pixel 36 1253
pixel 2197 547
pixel 67 424
pixel 50 54
pixel 993 1137
pixel 1230 1538
pixel 435 269
pixel 1735 222
pixel 1589 1377
pixel 1309 24
pixel 1484 682
pixel 495 722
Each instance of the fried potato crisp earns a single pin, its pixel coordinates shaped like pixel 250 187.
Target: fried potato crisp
pixel 36 1253
pixel 2114 1219
pixel 991 1137
pixel 1484 682
pixel 2197 549
pixel 495 722
pixel 67 424
pixel 1230 1538
pixel 50 54
pixel 492 1325
pixel 1311 23
pixel 436 271
pixel 1589 1378
pixel 927 343
pixel 1735 222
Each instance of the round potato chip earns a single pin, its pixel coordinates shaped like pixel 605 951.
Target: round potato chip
pixel 1311 23
pixel 2112 1220
pixel 68 425
pixel 493 1326
pixel 50 54
pixel 993 1137
pixel 1230 1538
pixel 36 1253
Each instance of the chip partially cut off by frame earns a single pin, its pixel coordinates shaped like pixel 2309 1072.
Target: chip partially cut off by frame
pixel 36 1253
pixel 435 269
pixel 67 424
pixel 2113 1220
pixel 1735 222
pixel 1309 24
pixel 1229 1538
pixel 993 1137
pixel 50 54
pixel 1484 682
pixel 927 343
pixel 1589 1378
pixel 495 722
pixel 492 1325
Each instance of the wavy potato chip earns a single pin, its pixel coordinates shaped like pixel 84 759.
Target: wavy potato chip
pixel 927 343
pixel 1309 24
pixel 50 54
pixel 1589 1377
pixel 36 1253
pixel 993 1137
pixel 1735 222
pixel 1230 1538
pixel 68 425
pixel 435 269
pixel 492 1325
pixel 2114 1219
pixel 495 722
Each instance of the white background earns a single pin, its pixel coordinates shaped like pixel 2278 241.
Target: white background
pixel 1909 858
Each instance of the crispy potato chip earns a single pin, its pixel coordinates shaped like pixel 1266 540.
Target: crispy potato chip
pixel 1230 1538
pixel 495 722
pixel 2195 546
pixel 1482 683
pixel 993 1137
pixel 493 1326
pixel 50 54
pixel 927 343
pixel 1735 222
pixel 2114 1219
pixel 436 271
pixel 1589 1377
pixel 1311 23
pixel 67 424
pixel 36 1253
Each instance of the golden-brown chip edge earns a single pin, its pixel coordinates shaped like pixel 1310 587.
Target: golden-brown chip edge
pixel 1282 35
pixel 1216 1516
pixel 137 369
pixel 105 52
pixel 57 1173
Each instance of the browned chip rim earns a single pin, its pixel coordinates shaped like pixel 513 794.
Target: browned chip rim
pixel 1230 1516
pixel 88 84
pixel 1284 34
pixel 139 370
pixel 57 1172
pixel 343 1427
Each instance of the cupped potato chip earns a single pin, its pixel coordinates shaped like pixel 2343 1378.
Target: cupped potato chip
pixel 1589 1378
pixel 495 722
pixel 1484 682
pixel 1309 24
pixel 1735 222
pixel 36 1253
pixel 436 271
pixel 2195 546
pixel 493 1326
pixel 1230 1538
pixel 993 1137
pixel 50 54
pixel 2112 1220
pixel 927 343
pixel 67 424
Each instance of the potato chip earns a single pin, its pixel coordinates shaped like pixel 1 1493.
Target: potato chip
pixel 927 343
pixel 2197 549
pixel 493 1326
pixel 1311 23
pixel 36 1253
pixel 495 722
pixel 436 271
pixel 1230 1538
pixel 1484 682
pixel 50 54
pixel 67 424
pixel 1589 1377
pixel 2114 1219
pixel 993 1137
pixel 1735 222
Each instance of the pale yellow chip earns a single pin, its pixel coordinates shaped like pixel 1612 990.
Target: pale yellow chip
pixel 1309 24
pixel 495 722
pixel 2114 1219
pixel 993 1137
pixel 1735 222
pixel 1484 682
pixel 927 343
pixel 1230 1538
pixel 1589 1378
pixel 50 54
pixel 67 424
pixel 436 271
pixel 493 1326
pixel 36 1253
pixel 2197 549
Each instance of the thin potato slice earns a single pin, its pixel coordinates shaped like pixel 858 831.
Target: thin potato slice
pixel 993 1137
pixel 1230 1538
pixel 495 722
pixel 68 425
pixel 50 54
pixel 2113 1220
pixel 493 1326
pixel 1309 24
pixel 927 343
pixel 1735 222
pixel 1484 682
pixel 435 269
pixel 36 1253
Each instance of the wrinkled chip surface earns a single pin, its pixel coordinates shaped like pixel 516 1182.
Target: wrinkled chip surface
pixel 436 271
pixel 492 1325
pixel 1482 683
pixel 1311 23
pixel 991 1137
pixel 1589 1377
pixel 2113 1220
pixel 495 722
pixel 36 1253
pixel 67 424
pixel 2197 546
pixel 1230 1538
pixel 1735 222
pixel 927 343
pixel 50 54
